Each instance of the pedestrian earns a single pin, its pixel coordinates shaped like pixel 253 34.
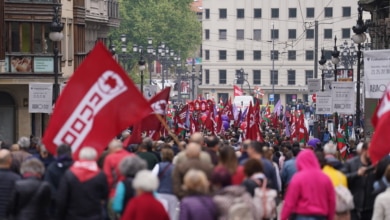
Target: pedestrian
pixel 196 138
pixel 381 210
pixel 144 206
pixel 82 189
pixel 18 157
pixel 7 183
pixel 253 170
pixel 30 199
pixel 228 160
pixel 164 170
pixel 310 194
pixel 145 152
pixel 128 167
pixel 43 155
pixel 212 143
pixel 289 168
pixel 197 204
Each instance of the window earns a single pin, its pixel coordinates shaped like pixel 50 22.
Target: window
pixel 222 55
pixel 207 13
pixel 240 13
pixel 346 33
pixel 257 55
pixel 328 33
pixel 310 12
pixel 292 33
pixel 274 77
pixel 290 77
pixel 222 77
pixel 274 12
pixel 309 33
pixel 346 11
pixel 222 34
pixel 22 34
pixel 207 76
pixel 206 34
pixel 309 74
pixel 309 55
pixel 222 13
pixel 257 34
pixel 328 12
pixel 240 54
pixel 70 40
pixel 207 54
pixel 292 55
pixel 257 13
pixel 275 54
pixel 223 96
pixel 240 34
pixel 256 77
pixel 274 33
pixel 292 12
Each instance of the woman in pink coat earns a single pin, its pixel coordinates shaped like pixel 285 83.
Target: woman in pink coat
pixel 310 194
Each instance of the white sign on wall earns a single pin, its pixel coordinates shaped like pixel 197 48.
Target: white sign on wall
pixel 313 85
pixel 40 98
pixel 376 72
pixel 324 103
pixel 343 97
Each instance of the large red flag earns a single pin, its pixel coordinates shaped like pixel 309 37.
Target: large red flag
pixel 379 146
pixel 98 102
pixel 252 127
pixel 159 104
pixel 237 91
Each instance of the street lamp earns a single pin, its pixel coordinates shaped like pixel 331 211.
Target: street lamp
pixel 56 35
pixel 322 62
pixel 241 78
pixel 141 67
pixel 335 58
pixel 359 38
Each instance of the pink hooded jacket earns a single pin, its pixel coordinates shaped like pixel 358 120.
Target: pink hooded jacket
pixel 310 191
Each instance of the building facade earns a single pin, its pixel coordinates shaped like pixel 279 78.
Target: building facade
pixel 274 43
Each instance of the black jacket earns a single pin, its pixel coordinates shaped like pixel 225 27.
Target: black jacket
pixel 7 183
pixel 361 187
pixel 30 200
pixel 54 173
pixel 81 200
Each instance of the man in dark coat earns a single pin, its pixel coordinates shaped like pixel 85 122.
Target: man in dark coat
pixel 7 183
pixel 82 189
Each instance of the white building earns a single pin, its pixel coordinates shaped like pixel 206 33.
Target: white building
pixel 238 34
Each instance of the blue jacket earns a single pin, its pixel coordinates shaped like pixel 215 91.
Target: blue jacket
pixel 288 171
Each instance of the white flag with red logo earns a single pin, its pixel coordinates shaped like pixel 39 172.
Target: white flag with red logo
pixel 98 102
pixel 379 146
pixel 237 91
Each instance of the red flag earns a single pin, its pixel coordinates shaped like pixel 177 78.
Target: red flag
pixel 252 127
pixel 379 146
pixel 228 111
pixel 181 119
pixel 135 137
pixel 237 91
pixel 98 102
pixel 159 104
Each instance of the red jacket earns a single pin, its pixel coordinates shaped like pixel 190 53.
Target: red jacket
pixel 144 207
pixel 110 168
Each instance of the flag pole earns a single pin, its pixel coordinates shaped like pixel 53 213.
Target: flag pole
pixel 164 123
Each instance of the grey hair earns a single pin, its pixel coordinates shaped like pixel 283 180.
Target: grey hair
pixel 24 142
pixel 88 153
pixel 33 166
pixel 330 148
pixel 131 165
pixel 146 181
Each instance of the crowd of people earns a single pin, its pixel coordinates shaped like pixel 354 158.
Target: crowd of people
pixel 200 177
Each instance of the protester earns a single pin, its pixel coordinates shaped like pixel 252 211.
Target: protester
pixel 82 189
pixel 18 157
pixel 30 199
pixel 110 168
pixel 361 177
pixel 192 152
pixel 7 183
pixel 164 171
pixel 144 152
pixel 310 193
pixel 144 205
pixel 253 170
pixel 43 155
pixel 381 205
pixel 330 150
pixel 212 143
pixel 56 170
pixel 268 152
pixel 228 160
pixel 198 139
pixel 244 152
pixel 197 205
pixel 289 168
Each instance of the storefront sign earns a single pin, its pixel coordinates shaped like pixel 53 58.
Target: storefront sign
pixel 376 72
pixel 343 96
pixel 40 98
pixel 43 64
pixel 324 103
pixel 313 85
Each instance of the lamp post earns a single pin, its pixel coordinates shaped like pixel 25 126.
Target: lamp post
pixel 322 62
pixel 273 64
pixel 56 35
pixel 359 38
pixel 141 67
pixel 241 78
pixel 335 58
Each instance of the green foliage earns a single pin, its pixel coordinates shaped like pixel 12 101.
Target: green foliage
pixel 169 21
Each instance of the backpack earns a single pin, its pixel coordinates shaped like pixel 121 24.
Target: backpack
pixel 344 199
pixel 264 201
pixel 239 210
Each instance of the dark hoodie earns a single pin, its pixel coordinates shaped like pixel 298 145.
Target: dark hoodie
pixel 310 191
